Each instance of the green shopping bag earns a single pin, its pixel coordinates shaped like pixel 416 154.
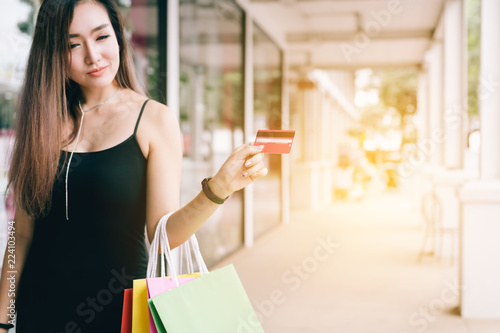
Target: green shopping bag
pixel 213 303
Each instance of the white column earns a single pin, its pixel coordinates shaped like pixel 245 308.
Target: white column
pixel 323 129
pixel 173 62
pixel 285 124
pixel 304 183
pixel 324 168
pixel 423 108
pixel 309 106
pixel 248 219
pixel 489 98
pixel 436 103
pixel 480 200
pixel 416 164
pixel 337 138
pixel 447 182
pixel 453 101
pixel 173 73
pixel 197 120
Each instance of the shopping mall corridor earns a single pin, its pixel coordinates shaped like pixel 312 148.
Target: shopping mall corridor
pixel 352 268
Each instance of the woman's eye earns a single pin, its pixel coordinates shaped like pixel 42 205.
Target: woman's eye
pixel 103 37
pixel 73 45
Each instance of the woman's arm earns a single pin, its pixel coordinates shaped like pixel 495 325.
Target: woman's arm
pixel 242 167
pixel 188 219
pixel 23 233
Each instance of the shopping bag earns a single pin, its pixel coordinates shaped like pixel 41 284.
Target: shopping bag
pixel 216 302
pixel 143 289
pixel 156 286
pixel 140 312
pixel 127 311
pixel 213 303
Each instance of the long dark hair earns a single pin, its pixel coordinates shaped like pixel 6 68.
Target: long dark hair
pixel 49 99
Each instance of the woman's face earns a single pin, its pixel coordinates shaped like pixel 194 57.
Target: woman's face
pixel 95 53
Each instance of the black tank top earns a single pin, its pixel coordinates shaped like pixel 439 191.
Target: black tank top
pixel 76 270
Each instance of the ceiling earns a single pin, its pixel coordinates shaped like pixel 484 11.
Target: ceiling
pixel 340 34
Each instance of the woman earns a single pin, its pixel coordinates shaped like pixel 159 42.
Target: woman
pixel 94 164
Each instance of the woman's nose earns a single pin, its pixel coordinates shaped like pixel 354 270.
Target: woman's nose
pixel 93 54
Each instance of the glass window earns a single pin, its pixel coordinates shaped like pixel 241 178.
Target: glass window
pixel 146 29
pixel 211 110
pixel 267 115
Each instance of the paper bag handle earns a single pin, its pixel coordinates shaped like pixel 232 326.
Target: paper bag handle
pixel 160 241
pixel 192 246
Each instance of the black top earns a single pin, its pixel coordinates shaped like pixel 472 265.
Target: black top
pixel 75 271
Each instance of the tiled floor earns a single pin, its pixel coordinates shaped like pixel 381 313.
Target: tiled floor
pixel 352 268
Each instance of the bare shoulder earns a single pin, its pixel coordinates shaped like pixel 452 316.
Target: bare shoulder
pixel 160 113
pixel 159 127
pixel 159 118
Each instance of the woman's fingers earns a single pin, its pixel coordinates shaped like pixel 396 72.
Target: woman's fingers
pixel 246 151
pixel 254 160
pixel 257 170
pixel 258 174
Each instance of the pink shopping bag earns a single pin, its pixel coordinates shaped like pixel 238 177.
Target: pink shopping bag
pixel 156 286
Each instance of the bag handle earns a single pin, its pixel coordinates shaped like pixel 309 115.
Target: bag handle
pixel 185 251
pixel 199 258
pixel 188 248
pixel 160 241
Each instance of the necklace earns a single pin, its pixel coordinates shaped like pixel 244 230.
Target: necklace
pixel 76 143
pixel 98 105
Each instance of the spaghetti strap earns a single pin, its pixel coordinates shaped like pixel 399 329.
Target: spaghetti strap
pixel 140 115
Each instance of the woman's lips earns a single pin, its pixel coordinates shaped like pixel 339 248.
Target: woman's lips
pixel 97 72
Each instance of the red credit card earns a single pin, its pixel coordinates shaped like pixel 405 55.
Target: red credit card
pixel 275 141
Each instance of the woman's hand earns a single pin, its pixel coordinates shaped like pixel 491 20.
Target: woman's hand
pixel 242 167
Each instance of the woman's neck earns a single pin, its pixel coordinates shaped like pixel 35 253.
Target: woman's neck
pixel 95 96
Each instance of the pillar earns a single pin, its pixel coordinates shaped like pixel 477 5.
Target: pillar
pixel 489 98
pixel 480 199
pixel 248 196
pixel 173 64
pixel 423 107
pixel 435 82
pixel 285 124
pixel 454 110
pixel 447 182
